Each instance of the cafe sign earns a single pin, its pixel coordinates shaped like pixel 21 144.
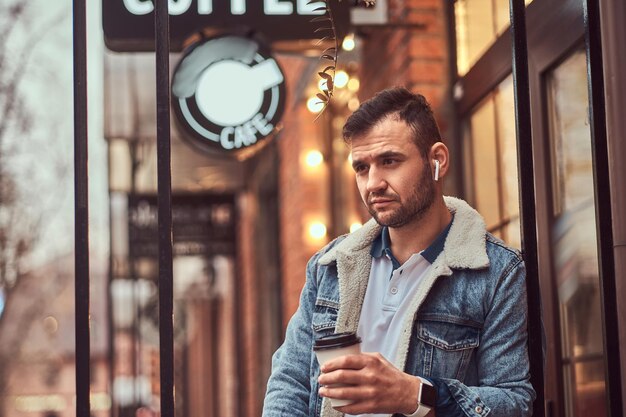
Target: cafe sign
pixel 228 93
pixel 129 24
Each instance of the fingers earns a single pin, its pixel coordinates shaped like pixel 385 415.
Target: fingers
pixel 354 393
pixel 365 400
pixel 361 369
pixel 360 407
pixel 358 361
pixel 344 362
pixel 348 376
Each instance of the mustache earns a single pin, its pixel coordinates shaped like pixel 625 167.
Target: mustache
pixel 381 196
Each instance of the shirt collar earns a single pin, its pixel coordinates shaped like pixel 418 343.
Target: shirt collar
pixel 382 246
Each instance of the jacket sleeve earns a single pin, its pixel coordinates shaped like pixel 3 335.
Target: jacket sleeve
pixel 504 388
pixel 289 385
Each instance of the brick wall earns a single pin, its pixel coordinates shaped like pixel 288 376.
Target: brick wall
pixel 303 197
pixel 415 57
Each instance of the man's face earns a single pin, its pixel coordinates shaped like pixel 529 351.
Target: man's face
pixel 394 180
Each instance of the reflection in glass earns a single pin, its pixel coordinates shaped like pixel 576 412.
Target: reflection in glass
pixel 509 182
pixel 575 242
pixel 491 158
pixel 205 371
pixel 485 162
pixel 478 24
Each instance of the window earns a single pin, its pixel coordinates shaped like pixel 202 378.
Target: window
pixel 478 24
pixel 491 163
pixel 575 256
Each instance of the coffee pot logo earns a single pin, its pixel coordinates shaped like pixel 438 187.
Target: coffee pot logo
pixel 228 92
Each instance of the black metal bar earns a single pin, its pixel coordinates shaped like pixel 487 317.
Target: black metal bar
pixel 110 324
pixel 164 176
pixel 111 357
pixel 455 132
pixel 602 195
pixel 525 164
pixel 81 210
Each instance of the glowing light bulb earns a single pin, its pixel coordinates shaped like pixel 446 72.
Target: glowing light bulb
pixel 314 105
pixel 354 84
pixel 317 230
pixel 314 158
pixel 341 79
pixel 348 43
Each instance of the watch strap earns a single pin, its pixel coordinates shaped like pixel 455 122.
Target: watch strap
pixel 425 397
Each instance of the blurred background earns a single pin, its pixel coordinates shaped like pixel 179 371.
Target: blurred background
pixel 246 221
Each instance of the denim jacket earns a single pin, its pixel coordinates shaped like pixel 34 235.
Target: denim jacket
pixel 466 330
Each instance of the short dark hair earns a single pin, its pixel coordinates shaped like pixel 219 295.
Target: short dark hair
pixel 413 109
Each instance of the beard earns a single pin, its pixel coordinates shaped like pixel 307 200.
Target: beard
pixel 412 209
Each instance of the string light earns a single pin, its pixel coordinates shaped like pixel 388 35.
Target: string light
pixel 348 43
pixel 354 84
pixel 341 79
pixel 314 158
pixel 314 105
pixel 317 230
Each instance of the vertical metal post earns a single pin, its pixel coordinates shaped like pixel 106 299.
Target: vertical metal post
pixel 526 175
pixel 164 175
pixel 110 325
pixel 81 210
pixel 604 218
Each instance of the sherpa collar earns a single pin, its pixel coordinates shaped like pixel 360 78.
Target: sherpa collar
pixel 465 246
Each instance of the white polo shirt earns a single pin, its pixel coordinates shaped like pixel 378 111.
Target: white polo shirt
pixel 389 293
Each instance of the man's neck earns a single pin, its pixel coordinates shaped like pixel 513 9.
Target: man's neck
pixel 416 236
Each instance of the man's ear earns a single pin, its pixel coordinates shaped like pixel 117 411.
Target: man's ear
pixel 439 158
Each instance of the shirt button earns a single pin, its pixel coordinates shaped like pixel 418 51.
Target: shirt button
pixel 394 290
pixel 478 409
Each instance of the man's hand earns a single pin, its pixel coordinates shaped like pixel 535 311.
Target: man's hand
pixel 374 384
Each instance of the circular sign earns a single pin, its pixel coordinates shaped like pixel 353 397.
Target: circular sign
pixel 228 92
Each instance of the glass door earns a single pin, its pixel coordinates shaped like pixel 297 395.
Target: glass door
pixel 574 240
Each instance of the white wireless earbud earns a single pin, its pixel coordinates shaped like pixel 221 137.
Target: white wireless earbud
pixel 436 170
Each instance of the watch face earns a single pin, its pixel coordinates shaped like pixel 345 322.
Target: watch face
pixel 429 396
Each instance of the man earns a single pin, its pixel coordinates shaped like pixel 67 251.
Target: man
pixel 439 303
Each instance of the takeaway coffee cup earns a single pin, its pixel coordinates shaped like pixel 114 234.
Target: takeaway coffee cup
pixel 333 346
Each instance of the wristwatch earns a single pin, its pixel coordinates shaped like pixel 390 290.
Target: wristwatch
pixel 426 399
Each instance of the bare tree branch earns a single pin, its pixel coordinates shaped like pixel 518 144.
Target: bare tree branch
pixel 9 89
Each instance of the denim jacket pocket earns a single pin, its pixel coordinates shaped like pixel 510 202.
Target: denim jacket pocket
pixel 324 317
pixel 447 344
